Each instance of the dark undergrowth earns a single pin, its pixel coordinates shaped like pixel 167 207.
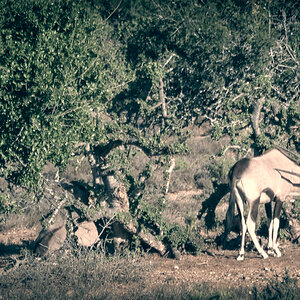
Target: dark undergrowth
pixel 91 275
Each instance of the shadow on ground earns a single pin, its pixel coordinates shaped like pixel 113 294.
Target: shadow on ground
pixel 15 248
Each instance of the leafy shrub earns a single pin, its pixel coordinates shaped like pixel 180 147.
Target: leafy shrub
pixel 219 169
pixel 296 209
pixel 176 235
pixel 7 206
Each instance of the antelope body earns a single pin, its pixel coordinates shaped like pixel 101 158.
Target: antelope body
pixel 270 177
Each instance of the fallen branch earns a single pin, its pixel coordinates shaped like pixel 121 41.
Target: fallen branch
pixel 172 166
pixel 235 147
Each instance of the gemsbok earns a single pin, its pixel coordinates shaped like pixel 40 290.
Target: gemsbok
pixel 272 176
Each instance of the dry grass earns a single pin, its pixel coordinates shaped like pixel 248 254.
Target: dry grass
pixel 82 274
pixel 91 275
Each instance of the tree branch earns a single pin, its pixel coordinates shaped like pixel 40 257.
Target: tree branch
pixel 172 166
pixel 255 118
pixel 162 98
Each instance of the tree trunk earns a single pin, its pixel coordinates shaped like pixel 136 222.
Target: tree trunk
pixel 255 120
pixel 163 98
pixel 118 202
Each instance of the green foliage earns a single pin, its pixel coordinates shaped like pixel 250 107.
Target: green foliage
pixel 182 164
pixel 59 68
pixel 219 169
pixel 68 77
pixel 149 215
pixel 7 206
pixel 176 235
pixel 296 208
pixel 135 73
pixel 228 55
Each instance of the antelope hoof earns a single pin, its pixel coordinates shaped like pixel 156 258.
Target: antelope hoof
pixel 240 257
pixel 277 253
pixel 264 255
pixel 271 252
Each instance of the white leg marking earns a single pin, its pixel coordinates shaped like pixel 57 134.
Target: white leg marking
pixel 242 249
pixel 277 210
pixel 270 241
pixel 275 234
pixel 240 206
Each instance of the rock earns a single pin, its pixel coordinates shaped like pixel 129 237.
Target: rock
pixel 176 253
pixel 53 237
pixel 50 240
pixel 87 234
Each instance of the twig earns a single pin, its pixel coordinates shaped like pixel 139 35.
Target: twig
pixel 162 98
pixel 73 34
pixel 169 59
pixel 57 210
pixel 20 161
pixel 235 147
pixel 172 166
pixel 284 25
pixel 70 111
pixel 113 11
pixel 89 67
pixel 18 136
pixel 238 96
pixel 255 118
pixel 121 84
pixel 107 224
pixel 290 51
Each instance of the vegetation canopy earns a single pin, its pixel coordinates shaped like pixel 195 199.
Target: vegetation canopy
pixel 111 81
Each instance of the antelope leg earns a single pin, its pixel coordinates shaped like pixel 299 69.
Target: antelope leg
pixel 242 249
pixel 277 210
pixel 268 208
pixel 251 220
pixel 240 207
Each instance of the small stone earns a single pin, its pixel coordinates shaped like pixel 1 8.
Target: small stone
pixel 87 234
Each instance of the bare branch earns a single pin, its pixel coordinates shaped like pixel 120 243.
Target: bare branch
pixel 58 207
pixel 19 134
pixel 255 119
pixel 116 8
pixel 162 98
pixel 172 166
pixel 169 59
pixel 235 147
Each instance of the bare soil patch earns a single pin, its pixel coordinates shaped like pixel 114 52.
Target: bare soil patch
pixel 215 267
pixel 220 268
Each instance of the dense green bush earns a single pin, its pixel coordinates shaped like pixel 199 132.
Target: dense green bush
pixel 59 67
pixel 111 78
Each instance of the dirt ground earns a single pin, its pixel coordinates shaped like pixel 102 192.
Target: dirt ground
pixel 221 269
pixel 215 267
